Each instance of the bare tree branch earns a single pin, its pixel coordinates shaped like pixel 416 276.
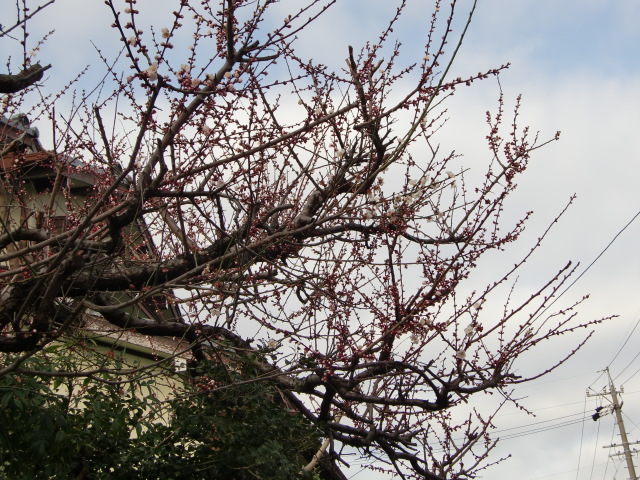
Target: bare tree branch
pixel 22 80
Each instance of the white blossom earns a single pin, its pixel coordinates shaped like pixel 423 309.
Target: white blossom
pixel 272 344
pixel 469 329
pixel 206 129
pixel 165 32
pixel 461 354
pixel 195 82
pixel 450 174
pixel 152 71
pixel 133 41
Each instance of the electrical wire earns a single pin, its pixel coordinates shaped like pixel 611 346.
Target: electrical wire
pixel 588 267
pixel 584 411
pixel 595 449
pixel 556 474
pixel 537 428
pixel 606 467
pixel 632 375
pixel 543 429
pixel 628 337
pixel 599 376
pixel 537 423
pixel 527 425
pixel 635 425
pixel 634 358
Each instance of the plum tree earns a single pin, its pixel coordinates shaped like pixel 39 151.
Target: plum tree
pixel 219 187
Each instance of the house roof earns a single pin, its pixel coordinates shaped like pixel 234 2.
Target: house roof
pixel 21 124
pixel 12 160
pixel 17 131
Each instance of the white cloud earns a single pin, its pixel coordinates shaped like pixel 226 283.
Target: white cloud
pixel 576 63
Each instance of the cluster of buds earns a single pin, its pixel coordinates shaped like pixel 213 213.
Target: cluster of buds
pixel 206 384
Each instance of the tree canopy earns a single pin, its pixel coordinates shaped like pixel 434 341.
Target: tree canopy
pixel 219 187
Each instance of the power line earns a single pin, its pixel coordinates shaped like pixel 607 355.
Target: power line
pixel 543 429
pixel 601 374
pixel 537 428
pixel 632 375
pixel 628 337
pixel 595 448
pixel 589 266
pixel 635 425
pixel 613 432
pixel 556 474
pixel 623 345
pixel 584 411
pixel 628 365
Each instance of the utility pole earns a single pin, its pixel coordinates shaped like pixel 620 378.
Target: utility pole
pixel 616 407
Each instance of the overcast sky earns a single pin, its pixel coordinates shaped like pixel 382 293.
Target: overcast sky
pixel 577 65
